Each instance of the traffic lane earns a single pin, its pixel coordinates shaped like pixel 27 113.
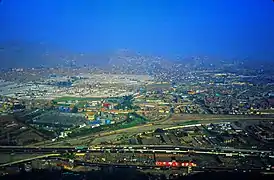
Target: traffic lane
pixel 144 149
pixel 36 150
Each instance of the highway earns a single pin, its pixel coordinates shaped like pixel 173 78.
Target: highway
pixel 149 149
pixel 164 124
pixel 141 149
pixel 143 167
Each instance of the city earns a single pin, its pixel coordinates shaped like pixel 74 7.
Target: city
pixel 136 90
pixel 214 121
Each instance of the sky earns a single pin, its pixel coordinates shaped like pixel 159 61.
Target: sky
pixel 226 28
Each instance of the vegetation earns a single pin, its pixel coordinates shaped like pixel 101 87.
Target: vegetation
pixel 47 133
pixel 74 109
pixel 132 120
pixel 125 103
pixel 190 122
pixel 82 101
pixel 69 155
pixel 86 131
pixel 81 147
pixel 113 100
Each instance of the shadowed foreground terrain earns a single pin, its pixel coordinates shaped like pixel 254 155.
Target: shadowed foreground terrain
pixel 128 174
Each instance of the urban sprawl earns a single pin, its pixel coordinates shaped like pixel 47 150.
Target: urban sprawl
pixel 140 113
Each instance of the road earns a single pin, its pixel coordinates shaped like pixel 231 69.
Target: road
pixel 141 149
pixel 144 167
pixel 165 123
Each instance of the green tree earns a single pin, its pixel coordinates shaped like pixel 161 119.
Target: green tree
pixel 74 109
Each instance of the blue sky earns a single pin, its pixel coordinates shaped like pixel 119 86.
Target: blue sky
pixel 225 28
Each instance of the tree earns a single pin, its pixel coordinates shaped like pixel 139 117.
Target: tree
pixel 74 109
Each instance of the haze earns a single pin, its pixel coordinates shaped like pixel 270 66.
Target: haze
pixel 227 29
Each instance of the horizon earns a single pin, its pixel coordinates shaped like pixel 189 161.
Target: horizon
pixel 223 30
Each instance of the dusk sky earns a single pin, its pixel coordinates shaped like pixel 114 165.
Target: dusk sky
pixel 226 28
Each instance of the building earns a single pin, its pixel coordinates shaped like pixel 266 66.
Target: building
pixel 107 121
pixel 227 139
pixel 236 128
pixel 90 115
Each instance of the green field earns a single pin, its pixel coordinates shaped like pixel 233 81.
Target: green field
pixel 136 120
pixel 271 111
pixel 113 99
pixel 190 122
pixel 7 157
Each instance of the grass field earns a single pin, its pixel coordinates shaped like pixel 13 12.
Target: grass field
pixel 136 120
pixel 178 117
pixel 6 157
pixel 270 111
pixel 190 122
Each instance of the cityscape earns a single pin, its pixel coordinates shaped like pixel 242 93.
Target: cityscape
pixel 190 97
pixel 208 120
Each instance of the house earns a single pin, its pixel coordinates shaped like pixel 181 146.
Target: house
pixel 90 115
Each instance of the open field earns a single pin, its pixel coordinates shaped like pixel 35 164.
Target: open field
pixel 176 117
pixel 267 111
pixel 156 86
pixel 6 157
pixel 14 132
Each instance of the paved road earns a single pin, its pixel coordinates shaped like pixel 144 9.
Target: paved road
pixel 146 127
pixel 139 149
